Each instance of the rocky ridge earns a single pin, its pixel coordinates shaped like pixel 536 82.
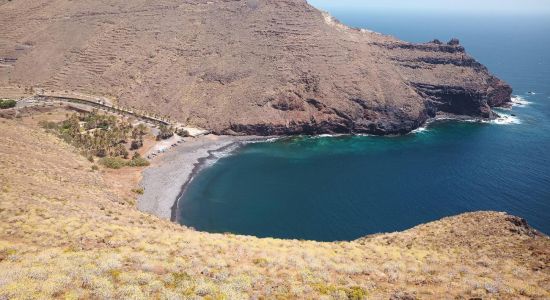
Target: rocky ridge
pixel 242 67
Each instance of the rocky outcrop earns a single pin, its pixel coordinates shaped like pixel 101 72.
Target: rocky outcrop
pixel 498 94
pixel 242 67
pixel 455 100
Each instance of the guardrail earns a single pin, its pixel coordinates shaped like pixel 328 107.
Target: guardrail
pixel 103 105
pixel 106 104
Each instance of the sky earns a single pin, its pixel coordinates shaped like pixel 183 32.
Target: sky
pixel 494 7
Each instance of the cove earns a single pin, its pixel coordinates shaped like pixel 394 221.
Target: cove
pixel 343 188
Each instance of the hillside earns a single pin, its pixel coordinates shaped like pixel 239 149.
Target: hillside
pixel 241 67
pixel 65 233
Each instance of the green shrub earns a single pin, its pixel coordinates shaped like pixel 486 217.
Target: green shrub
pixel 165 132
pixel 48 125
pixel 7 103
pixel 182 132
pixel 356 292
pixel 102 152
pixel 262 262
pixel 120 150
pixel 118 163
pixel 136 144
pixel 352 293
pixel 138 162
pixel 139 191
pixel 113 162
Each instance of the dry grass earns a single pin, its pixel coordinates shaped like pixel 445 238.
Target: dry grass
pixel 121 182
pixel 64 233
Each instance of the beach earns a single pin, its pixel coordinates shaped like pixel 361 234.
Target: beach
pixel 164 180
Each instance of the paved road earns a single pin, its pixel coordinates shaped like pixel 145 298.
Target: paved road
pixel 87 101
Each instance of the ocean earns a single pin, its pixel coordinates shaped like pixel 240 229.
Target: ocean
pixel 342 188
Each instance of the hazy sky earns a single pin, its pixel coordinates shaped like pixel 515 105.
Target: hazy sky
pixel 509 7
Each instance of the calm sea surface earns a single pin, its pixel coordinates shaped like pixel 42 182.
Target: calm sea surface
pixel 342 188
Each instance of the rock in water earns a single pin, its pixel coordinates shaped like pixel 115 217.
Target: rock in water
pixel 242 67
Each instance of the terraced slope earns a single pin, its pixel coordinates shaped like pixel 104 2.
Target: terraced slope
pixel 65 234
pixel 241 67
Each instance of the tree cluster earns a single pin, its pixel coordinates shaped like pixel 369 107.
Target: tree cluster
pixel 99 135
pixel 165 132
pixel 7 103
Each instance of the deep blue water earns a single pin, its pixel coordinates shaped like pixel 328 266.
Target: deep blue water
pixel 342 188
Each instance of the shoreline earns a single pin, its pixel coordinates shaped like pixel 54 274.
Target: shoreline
pixel 238 141
pixel 170 173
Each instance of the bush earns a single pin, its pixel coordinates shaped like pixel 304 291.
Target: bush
pixel 118 163
pixel 101 152
pixel 136 155
pixel 113 162
pixel 48 125
pixel 182 132
pixel 352 293
pixel 6 103
pixel 139 191
pixel 165 132
pixel 138 162
pixel 136 144
pixel 139 131
pixel 120 150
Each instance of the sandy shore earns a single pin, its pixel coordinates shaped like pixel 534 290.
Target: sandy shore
pixel 164 180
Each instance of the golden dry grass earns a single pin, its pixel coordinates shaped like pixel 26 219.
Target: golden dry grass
pixel 64 233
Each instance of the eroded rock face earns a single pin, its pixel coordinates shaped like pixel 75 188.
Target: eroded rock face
pixel 242 67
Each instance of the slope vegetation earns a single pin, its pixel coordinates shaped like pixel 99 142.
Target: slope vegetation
pixel 65 234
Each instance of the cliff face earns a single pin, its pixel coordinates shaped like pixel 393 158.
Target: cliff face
pixel 241 67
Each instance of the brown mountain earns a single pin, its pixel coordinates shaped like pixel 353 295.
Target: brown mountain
pixel 250 66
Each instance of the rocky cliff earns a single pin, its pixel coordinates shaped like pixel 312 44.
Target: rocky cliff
pixel 241 67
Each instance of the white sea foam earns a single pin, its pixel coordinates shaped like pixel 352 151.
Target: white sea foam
pixel 518 101
pixel 326 135
pixel 505 119
pixel 219 154
pixel 271 140
pixel 442 118
pixel 420 130
pixel 256 141
pixel 226 151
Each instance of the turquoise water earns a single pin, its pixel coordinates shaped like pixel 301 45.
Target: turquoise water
pixel 342 188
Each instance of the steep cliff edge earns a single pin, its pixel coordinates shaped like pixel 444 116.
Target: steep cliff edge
pixel 241 67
